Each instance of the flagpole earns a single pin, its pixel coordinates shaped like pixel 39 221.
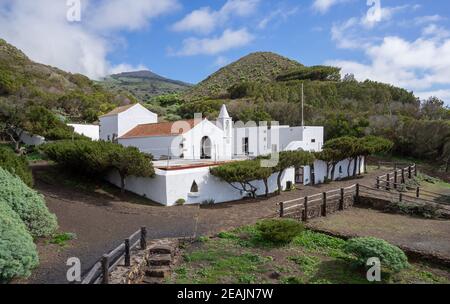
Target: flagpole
pixel 303 107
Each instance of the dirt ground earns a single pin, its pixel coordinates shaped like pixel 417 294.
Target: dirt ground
pixel 422 235
pixel 101 220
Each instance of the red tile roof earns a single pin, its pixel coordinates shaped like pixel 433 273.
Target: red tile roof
pixel 161 129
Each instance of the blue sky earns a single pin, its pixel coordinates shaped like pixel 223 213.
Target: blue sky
pixel 406 43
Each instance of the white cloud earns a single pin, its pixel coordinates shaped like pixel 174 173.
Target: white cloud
pixel 324 6
pixel 211 46
pixel 417 65
pixel 280 14
pixel 122 68
pixel 41 30
pixel 428 19
pixel 205 20
pixel 441 94
pixel 221 61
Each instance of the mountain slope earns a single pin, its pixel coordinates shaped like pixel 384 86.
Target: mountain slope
pixel 255 67
pixel 144 84
pixel 24 82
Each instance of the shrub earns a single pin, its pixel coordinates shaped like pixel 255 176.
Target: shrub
pixel 18 255
pixel 423 210
pixel 28 204
pixel 279 231
pixel 15 164
pixel 180 202
pixel 390 256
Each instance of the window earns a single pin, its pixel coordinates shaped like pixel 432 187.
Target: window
pixel 194 188
pixel 340 170
pixel 313 140
pixel 245 146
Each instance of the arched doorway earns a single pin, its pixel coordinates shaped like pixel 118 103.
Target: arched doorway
pixel 206 148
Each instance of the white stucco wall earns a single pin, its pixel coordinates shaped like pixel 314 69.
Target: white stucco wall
pixel 169 186
pixel 259 140
pixel 121 123
pixel 134 116
pixel 320 170
pixel 158 146
pixel 91 131
pixel 108 127
pixel 31 140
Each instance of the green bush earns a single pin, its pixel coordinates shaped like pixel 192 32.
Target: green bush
pixel 390 256
pixel 15 164
pixel 18 255
pixel 423 210
pixel 180 202
pixel 28 204
pixel 279 231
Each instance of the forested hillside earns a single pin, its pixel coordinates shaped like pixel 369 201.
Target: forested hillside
pixel 41 98
pixel 143 84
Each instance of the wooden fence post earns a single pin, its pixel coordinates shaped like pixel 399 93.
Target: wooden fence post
pixel 401 197
pixel 357 194
pixel 378 183
pixel 409 172
pixel 127 253
pixel 341 202
pixel 395 179
pixel 105 269
pixel 388 182
pixel 281 209
pixel 324 207
pixel 305 214
pixel 403 176
pixel 143 238
pixel 415 170
pixel 418 192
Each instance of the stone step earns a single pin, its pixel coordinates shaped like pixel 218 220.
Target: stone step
pixel 160 249
pixel 160 260
pixel 157 272
pixel 152 281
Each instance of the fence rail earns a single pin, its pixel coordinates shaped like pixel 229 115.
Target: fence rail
pixel 99 273
pixel 321 204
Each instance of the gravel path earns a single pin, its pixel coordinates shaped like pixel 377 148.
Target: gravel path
pixel 102 221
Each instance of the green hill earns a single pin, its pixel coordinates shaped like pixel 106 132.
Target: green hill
pixel 72 96
pixel 144 84
pixel 257 67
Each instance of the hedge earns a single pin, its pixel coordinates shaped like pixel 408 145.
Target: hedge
pixel 15 164
pixel 28 204
pixel 18 254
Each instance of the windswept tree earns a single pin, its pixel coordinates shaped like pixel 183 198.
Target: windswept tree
pixel 289 159
pixel 241 174
pixel 338 149
pixel 130 162
pixel 371 145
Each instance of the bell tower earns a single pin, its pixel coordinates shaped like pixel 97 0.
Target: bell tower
pixel 225 122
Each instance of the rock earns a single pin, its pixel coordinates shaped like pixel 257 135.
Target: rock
pixel 160 260
pixel 158 272
pixel 275 275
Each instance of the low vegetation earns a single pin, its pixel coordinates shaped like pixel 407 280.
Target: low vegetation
pixel 244 256
pixel 95 159
pixel 28 204
pixel 16 165
pixel 279 232
pixel 424 210
pixel 390 256
pixel 18 254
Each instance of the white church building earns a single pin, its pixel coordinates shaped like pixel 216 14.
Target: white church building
pixel 184 151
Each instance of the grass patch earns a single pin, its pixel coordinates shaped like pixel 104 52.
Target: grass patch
pixel 321 243
pixel 62 239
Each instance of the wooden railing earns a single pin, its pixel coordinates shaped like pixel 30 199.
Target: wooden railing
pixel 320 204
pixel 101 270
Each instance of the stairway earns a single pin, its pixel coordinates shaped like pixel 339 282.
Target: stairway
pixel 160 262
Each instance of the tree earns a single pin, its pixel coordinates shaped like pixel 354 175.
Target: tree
pixel 242 173
pixel 289 159
pixel 434 109
pixel 130 162
pixel 339 149
pixel 370 145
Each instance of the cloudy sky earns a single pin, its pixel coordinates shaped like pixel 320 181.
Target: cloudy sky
pixel 405 43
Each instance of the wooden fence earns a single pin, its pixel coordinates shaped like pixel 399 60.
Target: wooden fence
pixel 101 270
pixel 322 204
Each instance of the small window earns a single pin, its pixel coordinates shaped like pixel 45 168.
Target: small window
pixel 340 170
pixel 194 188
pixel 313 140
